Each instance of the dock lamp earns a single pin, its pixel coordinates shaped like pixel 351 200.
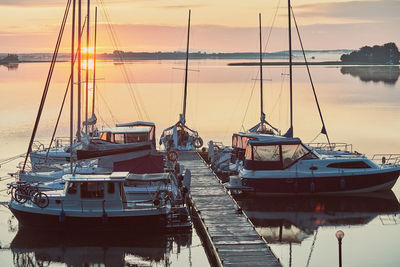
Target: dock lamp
pixel 339 235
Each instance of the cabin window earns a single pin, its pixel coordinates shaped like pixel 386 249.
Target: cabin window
pixel 106 137
pixel 119 138
pixel 110 188
pixel 135 137
pixel 72 188
pixel 92 190
pixel 291 153
pixel 249 153
pixel 349 165
pixel 234 141
pixel 266 153
pixel 244 142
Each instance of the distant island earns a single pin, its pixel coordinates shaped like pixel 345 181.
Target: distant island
pixel 385 54
pixel 9 59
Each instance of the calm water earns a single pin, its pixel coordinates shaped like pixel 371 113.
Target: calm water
pixel 360 106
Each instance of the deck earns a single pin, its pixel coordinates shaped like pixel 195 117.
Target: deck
pixel 228 234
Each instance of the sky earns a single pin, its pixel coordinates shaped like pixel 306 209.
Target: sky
pixel 28 26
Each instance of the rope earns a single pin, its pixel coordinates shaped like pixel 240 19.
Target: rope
pixel 323 131
pixel 258 72
pixel 8 160
pixel 107 106
pixel 136 100
pixel 47 85
pixel 63 102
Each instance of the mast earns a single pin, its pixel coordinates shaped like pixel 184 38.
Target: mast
pixel 290 131
pixel 183 119
pixel 262 118
pixel 78 130
pixel 71 126
pixel 87 66
pixel 94 60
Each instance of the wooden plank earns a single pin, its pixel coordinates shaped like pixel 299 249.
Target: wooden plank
pixel 229 233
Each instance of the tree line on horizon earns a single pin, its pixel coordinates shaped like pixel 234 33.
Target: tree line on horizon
pixel 384 54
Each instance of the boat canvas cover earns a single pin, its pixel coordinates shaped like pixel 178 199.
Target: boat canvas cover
pixel 274 140
pixel 146 164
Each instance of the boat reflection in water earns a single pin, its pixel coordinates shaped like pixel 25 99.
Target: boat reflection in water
pixel 293 219
pixel 97 249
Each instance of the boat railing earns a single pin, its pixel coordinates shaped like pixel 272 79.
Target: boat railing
pixel 386 159
pixel 332 146
pixel 390 219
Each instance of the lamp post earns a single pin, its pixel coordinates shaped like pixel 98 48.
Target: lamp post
pixel 339 236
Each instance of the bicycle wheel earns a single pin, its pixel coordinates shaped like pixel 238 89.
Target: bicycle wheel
pixel 41 200
pixel 20 195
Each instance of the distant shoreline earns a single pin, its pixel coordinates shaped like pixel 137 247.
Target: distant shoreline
pixel 322 63
pixel 279 63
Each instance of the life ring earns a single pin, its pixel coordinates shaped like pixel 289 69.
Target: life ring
pixel 172 155
pixel 198 142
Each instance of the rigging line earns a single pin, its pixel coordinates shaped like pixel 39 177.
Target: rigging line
pixel 63 102
pixel 114 41
pixel 49 76
pixel 279 96
pixel 136 99
pixel 107 106
pixel 272 26
pixel 312 248
pixel 323 131
pixel 248 103
pixel 312 141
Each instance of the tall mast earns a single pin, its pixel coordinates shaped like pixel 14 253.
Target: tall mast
pixel 71 126
pixel 262 118
pixel 94 60
pixel 87 66
pixel 290 131
pixel 78 134
pixel 186 73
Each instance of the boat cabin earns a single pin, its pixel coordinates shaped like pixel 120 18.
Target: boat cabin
pixel 126 133
pixel 275 153
pixel 94 188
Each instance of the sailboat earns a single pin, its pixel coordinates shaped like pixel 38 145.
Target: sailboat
pixel 97 200
pixel 282 164
pixel 179 136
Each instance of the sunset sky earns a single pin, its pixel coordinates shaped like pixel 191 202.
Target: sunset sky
pixel 217 25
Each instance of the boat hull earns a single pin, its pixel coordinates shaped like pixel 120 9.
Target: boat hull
pixel 58 222
pixel 324 185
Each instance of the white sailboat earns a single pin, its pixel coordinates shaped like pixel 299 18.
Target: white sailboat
pixel 179 136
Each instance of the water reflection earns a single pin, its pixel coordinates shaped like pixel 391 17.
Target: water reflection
pixel 10 66
pixel 293 219
pixel 33 248
pixel 385 74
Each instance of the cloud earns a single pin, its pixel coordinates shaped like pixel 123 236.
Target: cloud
pixel 383 10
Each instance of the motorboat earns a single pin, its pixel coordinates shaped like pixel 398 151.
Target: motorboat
pixel 130 140
pixel 89 201
pixel 282 165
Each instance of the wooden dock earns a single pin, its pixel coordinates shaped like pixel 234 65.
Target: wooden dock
pixel 228 234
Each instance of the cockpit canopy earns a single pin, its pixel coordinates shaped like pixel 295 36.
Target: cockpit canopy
pixel 275 153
